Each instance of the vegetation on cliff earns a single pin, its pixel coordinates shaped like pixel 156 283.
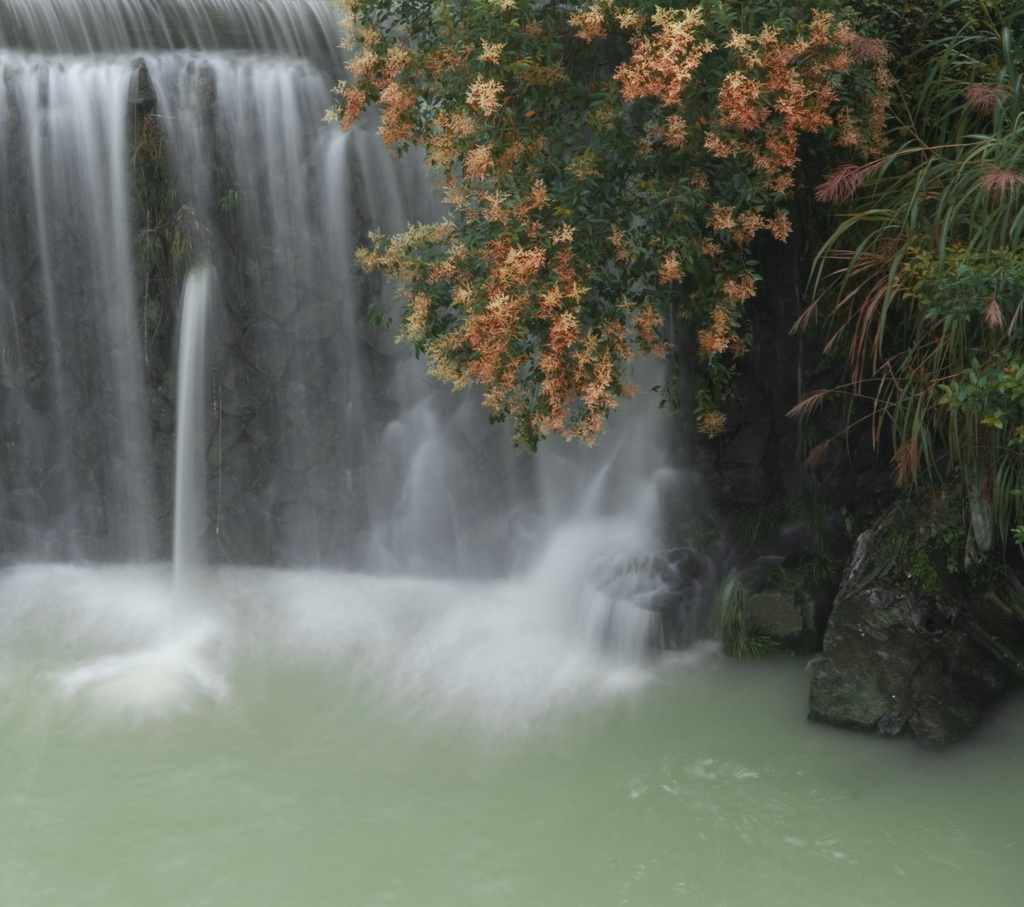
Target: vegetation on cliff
pixel 922 283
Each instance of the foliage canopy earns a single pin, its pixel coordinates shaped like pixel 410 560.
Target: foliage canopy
pixel 606 165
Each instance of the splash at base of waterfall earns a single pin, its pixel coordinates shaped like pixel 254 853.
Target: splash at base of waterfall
pixel 121 644
pixel 150 683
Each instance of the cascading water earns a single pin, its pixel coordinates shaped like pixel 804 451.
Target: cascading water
pixel 189 444
pixel 282 623
pixel 289 27
pixel 76 441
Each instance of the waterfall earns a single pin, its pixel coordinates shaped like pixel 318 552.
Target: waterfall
pixel 287 27
pixel 189 448
pixel 78 470
pixel 141 137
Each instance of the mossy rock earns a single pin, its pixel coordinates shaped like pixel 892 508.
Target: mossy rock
pixel 911 644
pixel 784 616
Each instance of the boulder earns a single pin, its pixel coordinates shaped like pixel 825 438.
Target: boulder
pixel 904 652
pixel 892 663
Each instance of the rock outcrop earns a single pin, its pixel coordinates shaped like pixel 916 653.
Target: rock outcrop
pixel 908 647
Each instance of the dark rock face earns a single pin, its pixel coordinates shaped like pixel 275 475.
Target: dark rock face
pixel 897 658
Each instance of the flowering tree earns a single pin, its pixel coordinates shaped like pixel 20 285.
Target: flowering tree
pixel 605 165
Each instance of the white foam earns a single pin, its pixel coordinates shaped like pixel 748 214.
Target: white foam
pixel 169 676
pixel 123 642
pixel 145 684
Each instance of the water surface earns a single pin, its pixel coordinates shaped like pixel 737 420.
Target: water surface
pixel 322 738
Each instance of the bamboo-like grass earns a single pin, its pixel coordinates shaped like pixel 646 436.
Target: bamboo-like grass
pixel 922 282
